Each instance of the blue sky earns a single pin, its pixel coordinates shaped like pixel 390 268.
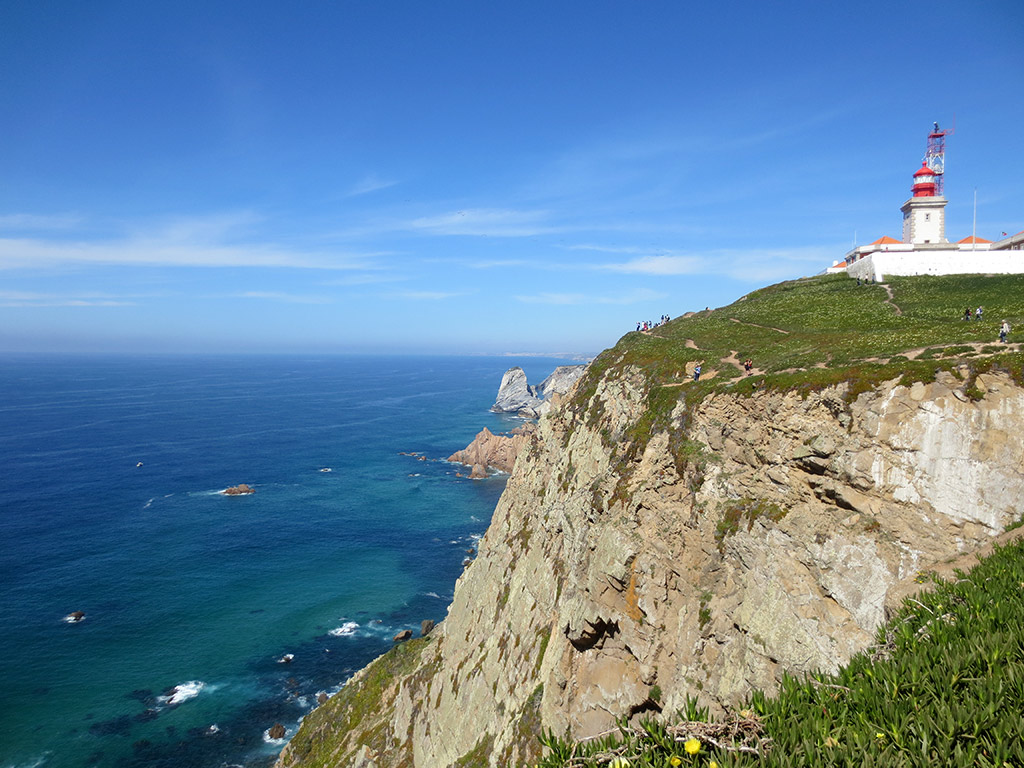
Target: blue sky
pixel 469 177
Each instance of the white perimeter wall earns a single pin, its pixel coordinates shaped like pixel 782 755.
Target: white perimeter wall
pixel 878 266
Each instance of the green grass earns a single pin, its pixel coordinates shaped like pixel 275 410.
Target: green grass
pixel 830 331
pixel 943 686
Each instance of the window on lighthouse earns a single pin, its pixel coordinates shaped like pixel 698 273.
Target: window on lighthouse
pixel 927 217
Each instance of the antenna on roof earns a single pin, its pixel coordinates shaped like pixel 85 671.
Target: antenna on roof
pixel 935 154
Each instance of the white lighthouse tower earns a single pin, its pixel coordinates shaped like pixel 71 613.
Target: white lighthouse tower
pixel 924 214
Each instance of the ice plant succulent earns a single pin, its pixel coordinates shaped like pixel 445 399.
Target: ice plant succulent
pixel 692 746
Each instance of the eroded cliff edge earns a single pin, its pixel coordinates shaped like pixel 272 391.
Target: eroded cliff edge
pixel 753 534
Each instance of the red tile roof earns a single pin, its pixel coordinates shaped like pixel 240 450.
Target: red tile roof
pixel 885 240
pixel 973 240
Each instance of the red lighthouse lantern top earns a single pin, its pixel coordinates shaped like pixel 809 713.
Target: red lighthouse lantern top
pixel 924 182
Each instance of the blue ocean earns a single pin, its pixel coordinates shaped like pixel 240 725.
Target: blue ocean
pixel 210 618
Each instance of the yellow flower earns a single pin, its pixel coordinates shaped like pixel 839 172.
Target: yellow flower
pixel 619 762
pixel 692 746
pixel 879 735
pixel 712 764
pixel 675 761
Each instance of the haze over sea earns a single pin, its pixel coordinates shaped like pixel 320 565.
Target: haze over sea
pixel 110 504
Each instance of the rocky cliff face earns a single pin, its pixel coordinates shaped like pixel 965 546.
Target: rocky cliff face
pixel 755 535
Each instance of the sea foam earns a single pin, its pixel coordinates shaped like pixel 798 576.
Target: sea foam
pixel 346 629
pixel 182 692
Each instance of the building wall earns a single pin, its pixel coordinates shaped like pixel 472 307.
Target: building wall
pixel 878 266
pixel 924 220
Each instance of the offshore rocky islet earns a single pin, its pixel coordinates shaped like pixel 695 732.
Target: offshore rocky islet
pixel 654 537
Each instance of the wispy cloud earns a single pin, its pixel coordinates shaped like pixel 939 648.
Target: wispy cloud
pixel 632 297
pixel 426 295
pixel 34 221
pixel 369 183
pixel 659 265
pixel 485 222
pixel 230 239
pixel 287 298
pixel 372 278
pixel 753 264
pixel 28 299
pixel 18 253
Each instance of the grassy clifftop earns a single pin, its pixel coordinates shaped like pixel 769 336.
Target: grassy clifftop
pixel 823 330
pixel 812 333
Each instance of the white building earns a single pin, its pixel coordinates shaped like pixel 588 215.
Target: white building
pixel 924 249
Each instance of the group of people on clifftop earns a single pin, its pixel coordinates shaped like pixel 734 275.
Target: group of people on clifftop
pixel 647 325
pixel 978 314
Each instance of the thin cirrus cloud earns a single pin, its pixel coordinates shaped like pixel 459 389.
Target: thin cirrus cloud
pixel 18 253
pixel 425 295
pixel 633 297
pixel 28 299
pixel 36 221
pixel 369 183
pixel 753 264
pixel 286 298
pixel 485 222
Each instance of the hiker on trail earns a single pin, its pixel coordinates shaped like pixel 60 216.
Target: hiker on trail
pixel 977 314
pixel 696 373
pixel 1004 331
pixel 967 314
pixel 748 364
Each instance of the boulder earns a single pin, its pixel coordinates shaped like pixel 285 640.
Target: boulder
pixel 239 490
pixel 426 627
pixel 321 699
pixel 74 617
pixel 276 731
pixel 405 634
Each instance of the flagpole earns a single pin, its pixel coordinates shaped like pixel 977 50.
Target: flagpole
pixel 974 226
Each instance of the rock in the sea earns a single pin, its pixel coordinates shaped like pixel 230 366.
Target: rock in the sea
pixel 515 395
pixel 276 731
pixel 321 698
pixel 74 617
pixel 405 634
pixel 490 451
pixel 426 627
pixel 239 490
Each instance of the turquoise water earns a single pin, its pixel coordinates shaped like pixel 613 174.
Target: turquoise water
pixel 192 597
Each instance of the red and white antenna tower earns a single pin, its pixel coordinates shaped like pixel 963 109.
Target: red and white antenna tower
pixel 935 154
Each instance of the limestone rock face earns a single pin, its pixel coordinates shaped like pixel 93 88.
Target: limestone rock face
pixel 771 535
pixel 560 381
pixel 515 395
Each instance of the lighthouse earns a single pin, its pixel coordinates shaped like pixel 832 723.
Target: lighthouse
pixel 924 214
